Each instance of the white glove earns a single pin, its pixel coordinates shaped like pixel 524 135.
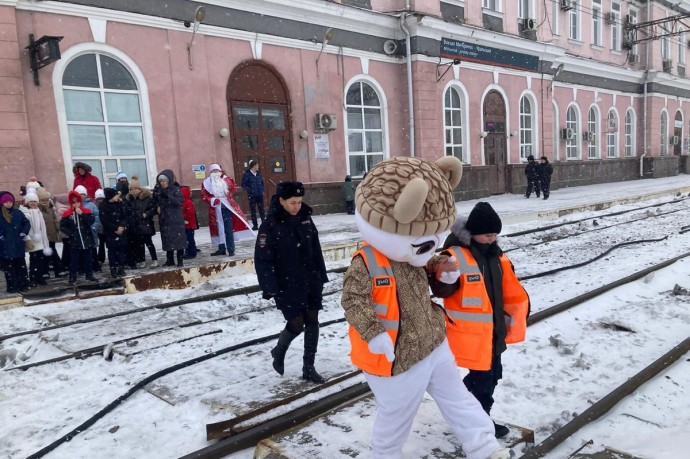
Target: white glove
pixel 36 237
pixel 47 251
pixel 447 275
pixel 383 344
pixel 215 202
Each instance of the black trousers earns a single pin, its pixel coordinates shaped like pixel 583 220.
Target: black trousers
pixel 533 184
pixel 546 188
pixel 350 207
pixel 15 274
pixel 117 247
pixel 483 383
pixel 137 245
pixel 255 202
pixel 36 264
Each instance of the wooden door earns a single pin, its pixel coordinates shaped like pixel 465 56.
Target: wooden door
pixel 495 140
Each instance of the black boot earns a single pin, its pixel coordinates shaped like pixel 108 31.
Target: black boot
pixel 220 251
pixel 311 342
pixel 180 256
pixel 113 273
pixel 169 258
pixel 121 271
pixel 278 353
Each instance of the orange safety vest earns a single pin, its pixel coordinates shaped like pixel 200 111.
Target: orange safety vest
pixel 470 319
pixel 385 298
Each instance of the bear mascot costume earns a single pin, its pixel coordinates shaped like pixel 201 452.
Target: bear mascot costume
pixel 398 335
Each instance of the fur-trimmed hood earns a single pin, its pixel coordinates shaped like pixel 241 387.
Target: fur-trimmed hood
pixel 459 235
pixel 145 193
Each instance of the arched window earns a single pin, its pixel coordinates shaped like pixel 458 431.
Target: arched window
pixel 526 128
pixel 593 133
pixel 104 117
pixel 612 134
pixel 629 133
pixel 556 124
pixel 572 123
pixel 453 120
pixel 664 134
pixel 364 128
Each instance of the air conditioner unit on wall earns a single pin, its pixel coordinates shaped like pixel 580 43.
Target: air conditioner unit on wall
pixel 675 140
pixel 613 123
pixel 567 134
pixel 326 121
pixel 567 5
pixel 529 24
pixel 588 136
pixel 667 64
pixel 634 58
pixel 610 17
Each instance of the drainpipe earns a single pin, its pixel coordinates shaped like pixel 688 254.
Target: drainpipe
pixel 410 98
pixel 646 79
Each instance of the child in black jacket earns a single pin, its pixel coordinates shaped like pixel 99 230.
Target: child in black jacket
pixel 114 221
pixel 76 226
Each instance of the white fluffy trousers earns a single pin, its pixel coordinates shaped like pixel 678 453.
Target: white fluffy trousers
pixel 398 399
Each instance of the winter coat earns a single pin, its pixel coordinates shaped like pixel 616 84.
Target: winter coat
pixel 188 209
pixel 171 221
pixel 532 171
pixel 78 227
pixel 52 221
pixel 12 234
pixel 545 171
pixel 141 211
pixel 253 184
pixel 214 220
pixel 349 190
pixel 122 187
pixel 37 233
pixel 88 181
pixel 95 210
pixel 113 216
pixel 288 259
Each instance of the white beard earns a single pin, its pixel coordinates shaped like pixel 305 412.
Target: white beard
pixel 219 187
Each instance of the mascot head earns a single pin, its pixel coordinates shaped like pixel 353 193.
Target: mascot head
pixel 405 204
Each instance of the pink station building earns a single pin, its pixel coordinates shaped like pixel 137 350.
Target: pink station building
pixel 319 89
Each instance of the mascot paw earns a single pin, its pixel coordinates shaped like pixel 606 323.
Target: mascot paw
pixel 47 251
pixel 448 272
pixel 383 344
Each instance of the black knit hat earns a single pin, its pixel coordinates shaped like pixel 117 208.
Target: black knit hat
pixel 110 193
pixel 530 158
pixel 287 190
pixel 483 220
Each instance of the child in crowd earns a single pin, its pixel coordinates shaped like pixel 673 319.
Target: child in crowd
pixel 114 221
pixel 96 227
pixel 38 247
pixel 98 199
pixel 14 227
pixel 62 205
pixel 141 210
pixel 169 203
pixel 349 194
pixel 51 219
pixel 76 225
pixel 190 222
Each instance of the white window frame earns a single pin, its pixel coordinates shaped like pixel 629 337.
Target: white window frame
pixel 493 5
pixel 663 151
pixel 612 134
pixel 574 26
pixel 594 126
pixel 556 129
pixel 527 147
pixel 383 104
pixel 630 133
pixel 555 13
pixel 573 147
pixel 633 16
pixel 463 96
pixel 616 29
pixel 597 21
pixel 59 68
pixel 681 49
pixel 525 9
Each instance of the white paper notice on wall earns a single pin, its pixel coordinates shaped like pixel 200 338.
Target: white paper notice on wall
pixel 321 146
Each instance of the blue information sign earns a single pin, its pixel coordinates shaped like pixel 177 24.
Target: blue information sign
pixel 456 49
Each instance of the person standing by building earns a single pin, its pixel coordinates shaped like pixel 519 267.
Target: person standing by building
pixel 478 333
pixel 122 184
pixel 76 225
pixel 39 238
pixel 532 173
pixel 114 220
pixel 253 184
pixel 83 176
pixel 169 201
pixel 190 222
pixel 545 172
pixel 14 227
pixel 225 219
pixel 291 270
pixel 87 202
pixel 52 221
pixel 141 210
pixel 349 189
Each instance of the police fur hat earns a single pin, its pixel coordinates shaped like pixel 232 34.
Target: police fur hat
pixel 287 190
pixel 410 196
pixel 483 219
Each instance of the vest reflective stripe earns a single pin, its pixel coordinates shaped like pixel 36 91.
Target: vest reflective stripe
pixel 472 317
pixel 385 301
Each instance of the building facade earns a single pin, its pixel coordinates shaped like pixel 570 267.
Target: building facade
pixel 315 90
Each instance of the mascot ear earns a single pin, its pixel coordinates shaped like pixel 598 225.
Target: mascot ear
pixel 411 200
pixel 452 169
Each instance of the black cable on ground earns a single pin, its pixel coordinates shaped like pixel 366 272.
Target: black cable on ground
pixel 601 407
pixel 578 265
pixel 132 390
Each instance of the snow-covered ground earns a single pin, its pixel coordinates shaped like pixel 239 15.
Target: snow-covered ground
pixel 567 362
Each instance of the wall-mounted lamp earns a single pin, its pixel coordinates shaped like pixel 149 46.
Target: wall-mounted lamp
pixel 224 132
pixel 199 16
pixel 42 52
pixel 327 37
pixel 448 65
pixel 483 134
pixel 303 134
